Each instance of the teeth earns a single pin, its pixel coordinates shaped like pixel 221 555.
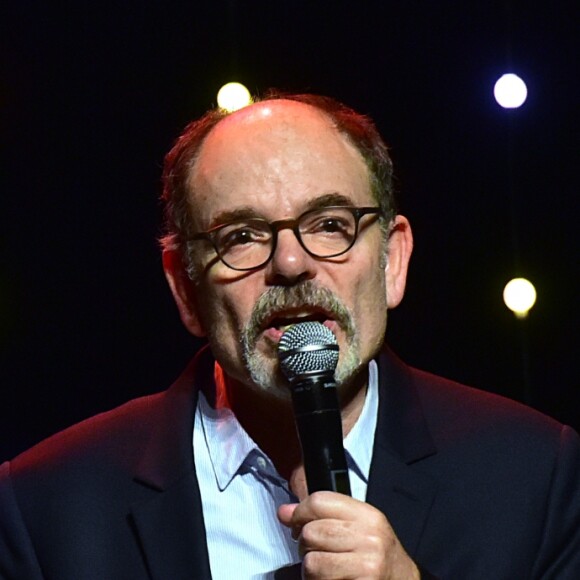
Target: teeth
pixel 293 318
pixel 285 327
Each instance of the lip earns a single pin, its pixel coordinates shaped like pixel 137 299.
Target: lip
pixel 273 334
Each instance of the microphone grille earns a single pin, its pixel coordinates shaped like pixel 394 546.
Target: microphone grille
pixel 307 347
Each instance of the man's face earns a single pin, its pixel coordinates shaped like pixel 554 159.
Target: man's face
pixel 275 160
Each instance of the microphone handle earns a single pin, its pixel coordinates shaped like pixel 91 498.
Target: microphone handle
pixel 319 424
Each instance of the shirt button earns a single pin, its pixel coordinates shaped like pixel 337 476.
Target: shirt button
pixel 261 462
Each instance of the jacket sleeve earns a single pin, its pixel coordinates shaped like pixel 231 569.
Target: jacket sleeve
pixel 559 551
pixel 17 558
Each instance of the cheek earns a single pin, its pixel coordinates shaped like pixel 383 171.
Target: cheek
pixel 221 324
pixel 370 304
pixel 225 308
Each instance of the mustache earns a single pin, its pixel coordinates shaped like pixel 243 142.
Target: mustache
pixel 306 294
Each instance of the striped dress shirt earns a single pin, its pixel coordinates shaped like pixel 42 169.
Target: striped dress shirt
pixel 241 490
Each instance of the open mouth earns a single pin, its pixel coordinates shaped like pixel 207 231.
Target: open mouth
pixel 275 326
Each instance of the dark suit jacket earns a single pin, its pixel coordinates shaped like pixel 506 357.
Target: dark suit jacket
pixel 475 486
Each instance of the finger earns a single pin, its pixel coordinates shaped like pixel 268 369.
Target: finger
pixel 328 536
pixel 331 505
pixel 344 566
pixel 285 513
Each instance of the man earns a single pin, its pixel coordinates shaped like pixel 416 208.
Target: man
pixel 277 214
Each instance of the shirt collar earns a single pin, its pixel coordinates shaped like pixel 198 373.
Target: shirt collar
pixel 227 442
pixel 358 444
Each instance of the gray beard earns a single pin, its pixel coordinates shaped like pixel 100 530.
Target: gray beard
pixel 267 377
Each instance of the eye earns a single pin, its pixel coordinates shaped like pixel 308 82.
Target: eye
pixel 332 224
pixel 328 224
pixel 238 236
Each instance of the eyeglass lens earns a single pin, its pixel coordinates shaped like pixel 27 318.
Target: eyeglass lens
pixel 247 244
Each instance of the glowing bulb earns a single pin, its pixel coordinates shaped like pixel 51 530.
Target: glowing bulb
pixel 519 296
pixel 233 96
pixel 510 91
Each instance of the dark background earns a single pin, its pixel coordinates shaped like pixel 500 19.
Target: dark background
pixel 92 94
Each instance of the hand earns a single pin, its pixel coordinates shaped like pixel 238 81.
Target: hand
pixel 341 537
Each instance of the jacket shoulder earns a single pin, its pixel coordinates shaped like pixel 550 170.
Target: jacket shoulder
pixel 110 436
pixel 447 404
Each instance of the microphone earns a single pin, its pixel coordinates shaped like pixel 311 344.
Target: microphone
pixel 308 355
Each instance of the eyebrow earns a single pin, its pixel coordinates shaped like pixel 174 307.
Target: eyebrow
pixel 327 200
pixel 232 215
pixel 249 212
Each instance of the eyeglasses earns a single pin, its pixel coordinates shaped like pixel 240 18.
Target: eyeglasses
pixel 248 244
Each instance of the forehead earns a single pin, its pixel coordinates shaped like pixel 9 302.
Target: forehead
pixel 280 122
pixel 275 156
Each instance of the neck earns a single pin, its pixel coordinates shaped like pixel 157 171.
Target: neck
pixel 352 399
pixel 269 421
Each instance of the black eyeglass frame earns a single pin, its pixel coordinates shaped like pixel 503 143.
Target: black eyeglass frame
pixel 294 225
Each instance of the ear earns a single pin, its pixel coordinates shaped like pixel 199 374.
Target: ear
pixel 399 253
pixel 183 290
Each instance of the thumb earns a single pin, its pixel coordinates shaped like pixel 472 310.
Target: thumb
pixel 285 512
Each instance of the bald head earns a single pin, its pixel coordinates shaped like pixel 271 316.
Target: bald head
pixel 274 148
pixel 290 110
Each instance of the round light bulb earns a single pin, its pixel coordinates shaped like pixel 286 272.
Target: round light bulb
pixel 510 91
pixel 519 296
pixel 233 96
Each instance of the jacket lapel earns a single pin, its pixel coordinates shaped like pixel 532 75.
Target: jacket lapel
pixel 168 517
pixel 170 527
pixel 404 494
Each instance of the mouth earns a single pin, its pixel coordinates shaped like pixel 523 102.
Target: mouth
pixel 275 326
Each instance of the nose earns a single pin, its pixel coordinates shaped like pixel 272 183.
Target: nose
pixel 290 264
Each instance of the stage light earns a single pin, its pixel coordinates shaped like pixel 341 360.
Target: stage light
pixel 233 96
pixel 510 91
pixel 519 296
